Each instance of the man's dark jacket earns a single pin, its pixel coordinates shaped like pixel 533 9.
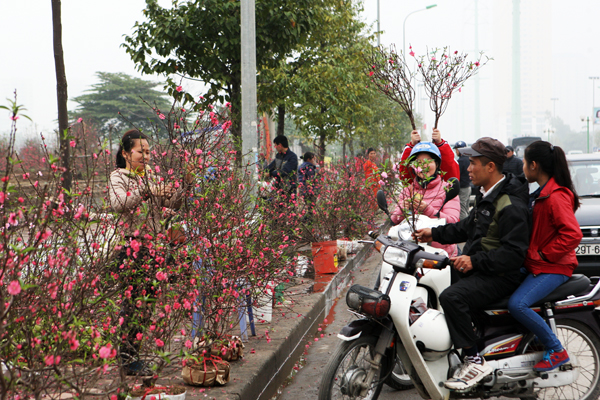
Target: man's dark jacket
pixel 514 165
pixel 497 229
pixel 284 168
pixel 463 166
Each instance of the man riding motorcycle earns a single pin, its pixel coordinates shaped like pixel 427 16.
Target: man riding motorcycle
pixel 497 236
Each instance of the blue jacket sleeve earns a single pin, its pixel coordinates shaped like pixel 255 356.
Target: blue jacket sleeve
pixel 291 164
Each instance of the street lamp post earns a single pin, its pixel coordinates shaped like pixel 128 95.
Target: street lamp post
pixel 404 27
pixel 594 78
pixel 248 55
pixel 588 134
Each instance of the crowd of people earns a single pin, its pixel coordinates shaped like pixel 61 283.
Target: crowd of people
pixel 515 243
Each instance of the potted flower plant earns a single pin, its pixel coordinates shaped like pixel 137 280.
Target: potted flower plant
pixel 174 392
pixel 342 208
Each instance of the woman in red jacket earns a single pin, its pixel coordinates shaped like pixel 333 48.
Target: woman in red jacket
pixel 449 164
pixel 550 260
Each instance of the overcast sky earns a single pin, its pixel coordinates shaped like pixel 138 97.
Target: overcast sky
pixel 93 32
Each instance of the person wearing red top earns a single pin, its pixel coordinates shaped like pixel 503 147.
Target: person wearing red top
pixel 427 195
pixel 371 171
pixel 550 259
pixel 449 164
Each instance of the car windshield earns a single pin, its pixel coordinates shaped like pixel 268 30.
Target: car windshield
pixel 586 177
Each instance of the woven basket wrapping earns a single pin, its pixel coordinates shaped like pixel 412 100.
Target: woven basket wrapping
pixel 210 372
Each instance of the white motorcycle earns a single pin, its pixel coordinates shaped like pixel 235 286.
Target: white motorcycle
pixel 403 319
pixel 399 378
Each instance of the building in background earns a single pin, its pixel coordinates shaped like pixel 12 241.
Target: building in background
pixel 527 95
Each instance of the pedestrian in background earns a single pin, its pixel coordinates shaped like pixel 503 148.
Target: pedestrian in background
pixel 513 163
pixel 359 162
pixel 307 178
pixel 284 168
pixel 371 172
pixel 465 180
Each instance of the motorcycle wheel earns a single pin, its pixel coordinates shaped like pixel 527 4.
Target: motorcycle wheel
pixel 399 378
pixel 348 367
pixel 582 343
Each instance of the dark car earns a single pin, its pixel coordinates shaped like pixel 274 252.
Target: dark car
pixel 585 172
pixel 521 143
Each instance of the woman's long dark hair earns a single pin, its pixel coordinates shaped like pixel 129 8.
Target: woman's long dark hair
pixel 308 156
pixel 127 142
pixel 553 161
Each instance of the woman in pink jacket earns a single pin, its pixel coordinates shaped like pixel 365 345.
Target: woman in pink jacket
pixel 427 192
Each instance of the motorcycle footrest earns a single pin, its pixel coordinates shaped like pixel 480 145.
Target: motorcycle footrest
pixel 566 367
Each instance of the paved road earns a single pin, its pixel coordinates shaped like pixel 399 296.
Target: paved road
pixel 305 384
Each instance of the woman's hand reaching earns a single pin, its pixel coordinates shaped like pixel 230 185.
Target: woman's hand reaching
pixel 163 191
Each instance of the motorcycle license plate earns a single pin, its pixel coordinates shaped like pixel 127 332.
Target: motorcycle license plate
pixel 588 250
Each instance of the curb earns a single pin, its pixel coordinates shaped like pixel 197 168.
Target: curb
pixel 289 352
pixel 275 369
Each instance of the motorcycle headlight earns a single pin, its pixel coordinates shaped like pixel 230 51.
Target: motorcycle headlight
pixel 395 256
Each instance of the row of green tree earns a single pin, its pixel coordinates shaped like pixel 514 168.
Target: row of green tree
pixel 310 61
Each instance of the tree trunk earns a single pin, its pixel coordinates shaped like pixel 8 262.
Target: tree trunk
pixel 61 95
pixel 110 135
pixel 351 146
pixel 281 120
pixel 322 136
pixel 344 150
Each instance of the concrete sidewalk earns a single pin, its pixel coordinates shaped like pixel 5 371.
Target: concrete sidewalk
pixel 270 356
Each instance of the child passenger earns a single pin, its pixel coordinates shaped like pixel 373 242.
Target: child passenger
pixel 550 259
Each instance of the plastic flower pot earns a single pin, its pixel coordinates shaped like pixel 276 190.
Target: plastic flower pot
pixel 158 393
pixel 325 257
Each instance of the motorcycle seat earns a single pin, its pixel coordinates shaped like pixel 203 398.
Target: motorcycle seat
pixel 576 285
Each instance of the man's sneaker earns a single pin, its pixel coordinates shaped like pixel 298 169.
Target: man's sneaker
pixel 139 368
pixel 469 375
pixel 552 360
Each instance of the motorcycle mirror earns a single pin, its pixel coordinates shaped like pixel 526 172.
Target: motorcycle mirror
pixel 452 192
pixel 382 202
pixel 454 189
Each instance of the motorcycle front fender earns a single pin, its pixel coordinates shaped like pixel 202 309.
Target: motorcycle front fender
pixel 358 327
pixel 432 374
